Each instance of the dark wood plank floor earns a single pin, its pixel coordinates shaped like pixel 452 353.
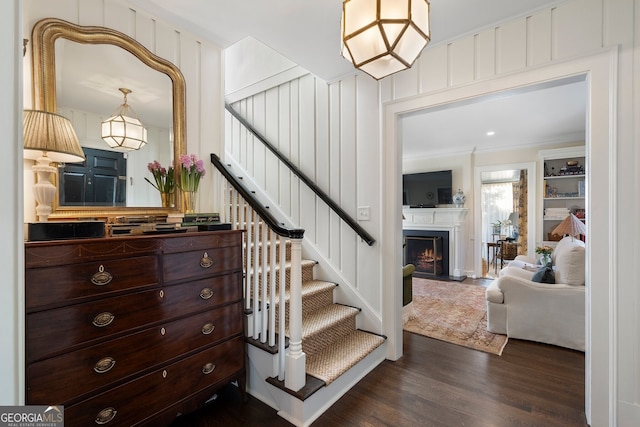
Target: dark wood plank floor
pixel 441 384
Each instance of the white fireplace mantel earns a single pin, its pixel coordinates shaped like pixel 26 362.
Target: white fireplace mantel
pixel 441 219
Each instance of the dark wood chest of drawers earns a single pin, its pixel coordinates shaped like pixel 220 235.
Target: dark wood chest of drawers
pixel 133 330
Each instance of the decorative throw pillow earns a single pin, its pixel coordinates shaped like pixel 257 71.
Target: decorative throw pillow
pixel 544 275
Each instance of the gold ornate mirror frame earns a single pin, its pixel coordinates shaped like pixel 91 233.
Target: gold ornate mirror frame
pixel 44 35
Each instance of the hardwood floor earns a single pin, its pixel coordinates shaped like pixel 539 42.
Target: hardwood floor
pixel 440 384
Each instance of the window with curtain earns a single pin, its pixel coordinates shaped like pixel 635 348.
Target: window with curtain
pixel 497 205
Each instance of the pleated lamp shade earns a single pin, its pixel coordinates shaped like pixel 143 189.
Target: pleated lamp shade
pixel 571 226
pixel 50 133
pixel 48 137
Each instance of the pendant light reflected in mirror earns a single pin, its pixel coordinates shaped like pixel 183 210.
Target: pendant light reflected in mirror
pixel 123 130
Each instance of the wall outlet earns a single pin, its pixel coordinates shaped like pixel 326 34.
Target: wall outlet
pixel 363 213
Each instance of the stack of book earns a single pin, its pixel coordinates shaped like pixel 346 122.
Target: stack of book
pixel 556 213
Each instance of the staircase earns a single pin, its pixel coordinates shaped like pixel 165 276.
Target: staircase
pixel 323 351
pixel 330 339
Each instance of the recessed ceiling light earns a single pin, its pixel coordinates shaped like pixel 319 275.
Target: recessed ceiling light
pixel 491 133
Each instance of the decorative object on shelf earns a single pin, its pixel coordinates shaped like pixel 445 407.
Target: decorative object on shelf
pixel 546 252
pixel 123 132
pixel 459 198
pixel 191 170
pixel 164 182
pixel 570 226
pixel 572 168
pixel 48 137
pixel 382 37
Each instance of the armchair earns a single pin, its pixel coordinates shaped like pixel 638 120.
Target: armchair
pixel 407 291
pixel 550 313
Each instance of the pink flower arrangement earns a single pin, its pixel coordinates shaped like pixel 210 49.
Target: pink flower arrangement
pixel 164 178
pixel 191 170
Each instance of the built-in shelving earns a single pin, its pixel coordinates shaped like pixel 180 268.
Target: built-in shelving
pixel 563 188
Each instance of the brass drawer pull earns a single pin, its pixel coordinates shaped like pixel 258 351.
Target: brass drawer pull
pixel 104 365
pixel 103 319
pixel 206 293
pixel 208 368
pixel 208 328
pixel 206 261
pixel 106 415
pixel 102 277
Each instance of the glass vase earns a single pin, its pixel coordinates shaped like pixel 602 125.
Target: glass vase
pixel 167 200
pixel 546 259
pixel 190 201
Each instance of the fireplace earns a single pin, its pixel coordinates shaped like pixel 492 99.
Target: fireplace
pixel 428 250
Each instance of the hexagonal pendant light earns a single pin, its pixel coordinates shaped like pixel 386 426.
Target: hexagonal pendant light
pixel 123 130
pixel 382 37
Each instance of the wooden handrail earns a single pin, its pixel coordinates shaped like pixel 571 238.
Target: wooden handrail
pixel 250 198
pixel 308 182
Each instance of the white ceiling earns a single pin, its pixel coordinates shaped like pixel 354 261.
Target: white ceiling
pixel 538 115
pixel 308 33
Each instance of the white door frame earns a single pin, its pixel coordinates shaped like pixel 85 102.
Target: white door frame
pixel 601 71
pixel 532 207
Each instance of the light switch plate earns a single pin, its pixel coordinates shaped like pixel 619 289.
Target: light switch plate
pixel 363 213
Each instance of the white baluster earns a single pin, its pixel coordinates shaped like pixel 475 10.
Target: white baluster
pixel 272 288
pixel 263 268
pixel 256 296
pixel 281 323
pixel 248 270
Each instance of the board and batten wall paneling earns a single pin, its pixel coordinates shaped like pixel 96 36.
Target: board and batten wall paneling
pixel 432 65
pixel 460 62
pixel 335 124
pixel 284 145
pixel 323 217
pixel 539 38
pixel 485 54
pixel 315 126
pixel 368 157
pixel 511 46
pixel 569 31
pixel 199 62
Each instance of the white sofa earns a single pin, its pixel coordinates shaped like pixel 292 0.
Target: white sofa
pixel 548 313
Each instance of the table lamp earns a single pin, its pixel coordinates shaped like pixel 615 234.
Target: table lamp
pixel 570 226
pixel 48 137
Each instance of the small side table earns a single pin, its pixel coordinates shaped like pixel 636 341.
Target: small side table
pixel 492 248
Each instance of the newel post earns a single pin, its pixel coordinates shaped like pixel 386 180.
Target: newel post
pixel 295 365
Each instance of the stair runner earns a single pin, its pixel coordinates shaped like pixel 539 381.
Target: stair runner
pixel 330 339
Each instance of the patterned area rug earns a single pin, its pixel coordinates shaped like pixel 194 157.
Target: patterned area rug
pixel 453 312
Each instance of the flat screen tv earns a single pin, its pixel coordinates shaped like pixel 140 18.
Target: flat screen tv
pixel 427 189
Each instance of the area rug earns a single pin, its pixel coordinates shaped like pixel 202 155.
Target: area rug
pixel 453 312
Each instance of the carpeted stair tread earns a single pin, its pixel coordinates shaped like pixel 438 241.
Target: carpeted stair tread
pixel 326 318
pixel 342 355
pixel 307 267
pixel 310 289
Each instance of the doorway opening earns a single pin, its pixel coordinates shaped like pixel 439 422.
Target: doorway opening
pixel 504 217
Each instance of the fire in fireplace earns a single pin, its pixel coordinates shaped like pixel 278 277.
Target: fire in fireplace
pixel 428 251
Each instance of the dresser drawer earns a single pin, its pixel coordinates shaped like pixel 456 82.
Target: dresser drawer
pixel 52 331
pixel 200 263
pixel 69 284
pixel 134 401
pixel 63 378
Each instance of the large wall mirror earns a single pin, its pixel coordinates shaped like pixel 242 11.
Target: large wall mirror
pixel 78 72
